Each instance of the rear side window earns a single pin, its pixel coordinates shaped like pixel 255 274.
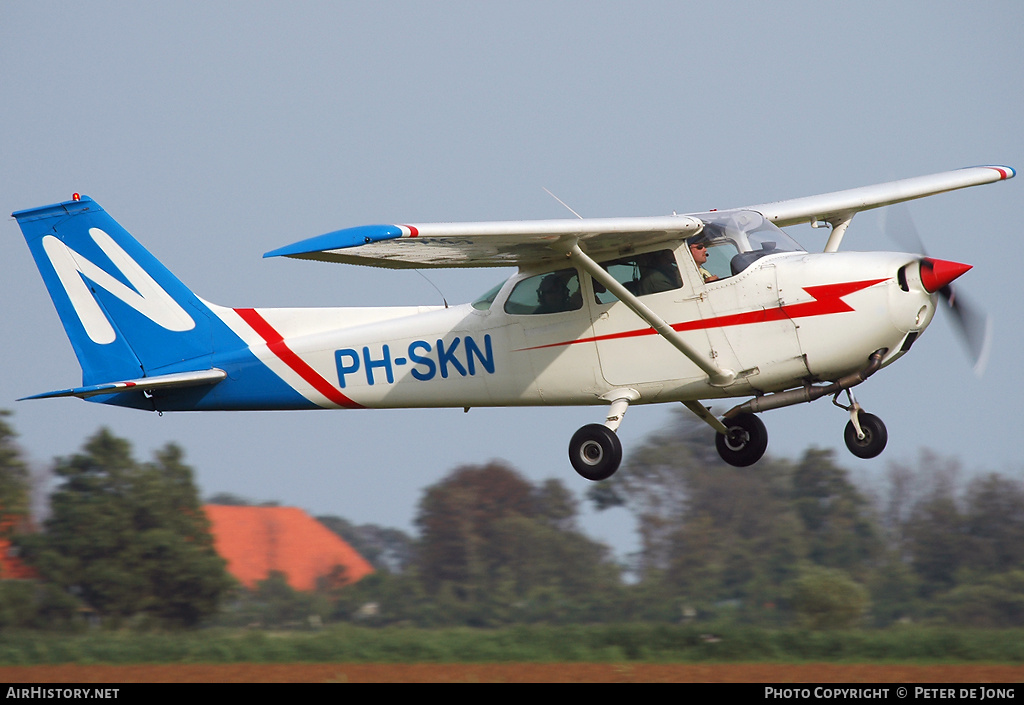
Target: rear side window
pixel 554 292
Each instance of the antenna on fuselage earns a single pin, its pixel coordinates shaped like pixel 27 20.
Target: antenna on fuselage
pixel 433 285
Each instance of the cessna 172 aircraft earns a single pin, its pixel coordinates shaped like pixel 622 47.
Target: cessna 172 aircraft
pixel 612 311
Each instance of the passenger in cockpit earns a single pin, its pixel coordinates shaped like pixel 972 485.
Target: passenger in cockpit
pixel 659 273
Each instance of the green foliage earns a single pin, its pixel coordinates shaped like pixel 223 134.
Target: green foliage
pixel 798 543
pixel 826 598
pixel 494 549
pixel 384 548
pixel 618 643
pixel 992 601
pixel 14 480
pixel 787 558
pixel 129 540
pixel 274 604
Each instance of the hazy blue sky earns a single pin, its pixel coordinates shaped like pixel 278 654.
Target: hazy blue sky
pixel 217 131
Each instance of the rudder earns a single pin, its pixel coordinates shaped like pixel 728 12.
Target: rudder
pixel 126 315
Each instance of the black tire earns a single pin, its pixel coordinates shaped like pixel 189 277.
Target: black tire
pixel 595 452
pixel 875 436
pixel 746 441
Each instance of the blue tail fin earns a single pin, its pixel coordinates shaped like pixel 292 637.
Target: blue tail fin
pixel 127 316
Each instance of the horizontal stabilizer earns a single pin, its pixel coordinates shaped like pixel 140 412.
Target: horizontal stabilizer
pixel 171 381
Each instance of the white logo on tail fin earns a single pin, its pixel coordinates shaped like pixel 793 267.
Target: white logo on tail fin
pixel 148 298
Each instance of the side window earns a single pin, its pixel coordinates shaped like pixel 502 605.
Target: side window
pixel 554 292
pixel 649 273
pixel 485 301
pixel 720 255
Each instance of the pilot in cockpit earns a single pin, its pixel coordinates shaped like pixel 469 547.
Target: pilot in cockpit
pixel 699 251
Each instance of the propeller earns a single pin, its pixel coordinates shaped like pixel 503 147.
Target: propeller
pixel 973 325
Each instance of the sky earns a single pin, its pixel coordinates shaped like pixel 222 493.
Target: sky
pixel 216 131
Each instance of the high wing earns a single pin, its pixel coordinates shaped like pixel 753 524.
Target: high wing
pixel 514 243
pixel 838 208
pixel 485 244
pixel 842 205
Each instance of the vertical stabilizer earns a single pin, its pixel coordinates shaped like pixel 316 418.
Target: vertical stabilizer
pixel 126 315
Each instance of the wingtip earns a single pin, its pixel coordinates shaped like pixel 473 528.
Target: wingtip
pixel 1005 172
pixel 340 239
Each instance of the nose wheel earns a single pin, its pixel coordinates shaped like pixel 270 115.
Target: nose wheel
pixel 865 434
pixel 867 437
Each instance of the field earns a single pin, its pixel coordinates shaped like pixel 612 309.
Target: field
pixel 515 673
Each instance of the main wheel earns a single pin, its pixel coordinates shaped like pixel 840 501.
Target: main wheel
pixel 595 452
pixel 746 441
pixel 875 436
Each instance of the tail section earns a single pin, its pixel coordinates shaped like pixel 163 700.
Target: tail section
pixel 143 339
pixel 127 316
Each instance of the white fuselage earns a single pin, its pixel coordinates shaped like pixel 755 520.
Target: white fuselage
pixel 786 320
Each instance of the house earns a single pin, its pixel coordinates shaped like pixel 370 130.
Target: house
pixel 11 567
pixel 256 541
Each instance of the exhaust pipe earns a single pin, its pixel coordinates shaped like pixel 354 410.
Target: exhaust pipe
pixel 808 393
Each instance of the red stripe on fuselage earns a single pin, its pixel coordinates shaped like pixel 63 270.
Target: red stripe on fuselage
pixel 827 300
pixel 275 342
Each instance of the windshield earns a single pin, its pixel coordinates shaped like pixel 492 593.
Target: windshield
pixel 736 239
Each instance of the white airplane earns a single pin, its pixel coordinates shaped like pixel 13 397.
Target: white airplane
pixel 607 312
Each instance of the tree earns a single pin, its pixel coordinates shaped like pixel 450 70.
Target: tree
pixel 934 534
pixel 457 520
pixel 655 484
pixel 494 549
pixel 715 537
pixel 130 539
pixel 826 598
pixel 14 481
pixel 994 524
pixel 385 548
pixel 994 601
pixel 739 540
pixel 840 529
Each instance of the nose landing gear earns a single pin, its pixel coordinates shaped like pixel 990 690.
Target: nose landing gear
pixel 743 439
pixel 865 434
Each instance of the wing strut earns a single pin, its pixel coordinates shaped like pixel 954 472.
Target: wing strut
pixel 718 376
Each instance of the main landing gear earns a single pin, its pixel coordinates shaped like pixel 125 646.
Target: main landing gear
pixel 744 442
pixel 595 450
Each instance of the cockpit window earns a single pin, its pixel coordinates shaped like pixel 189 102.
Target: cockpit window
pixel 737 239
pixel 485 301
pixel 553 292
pixel 647 273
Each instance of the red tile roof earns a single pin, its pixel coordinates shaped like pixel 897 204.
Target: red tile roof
pixel 11 567
pixel 258 540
